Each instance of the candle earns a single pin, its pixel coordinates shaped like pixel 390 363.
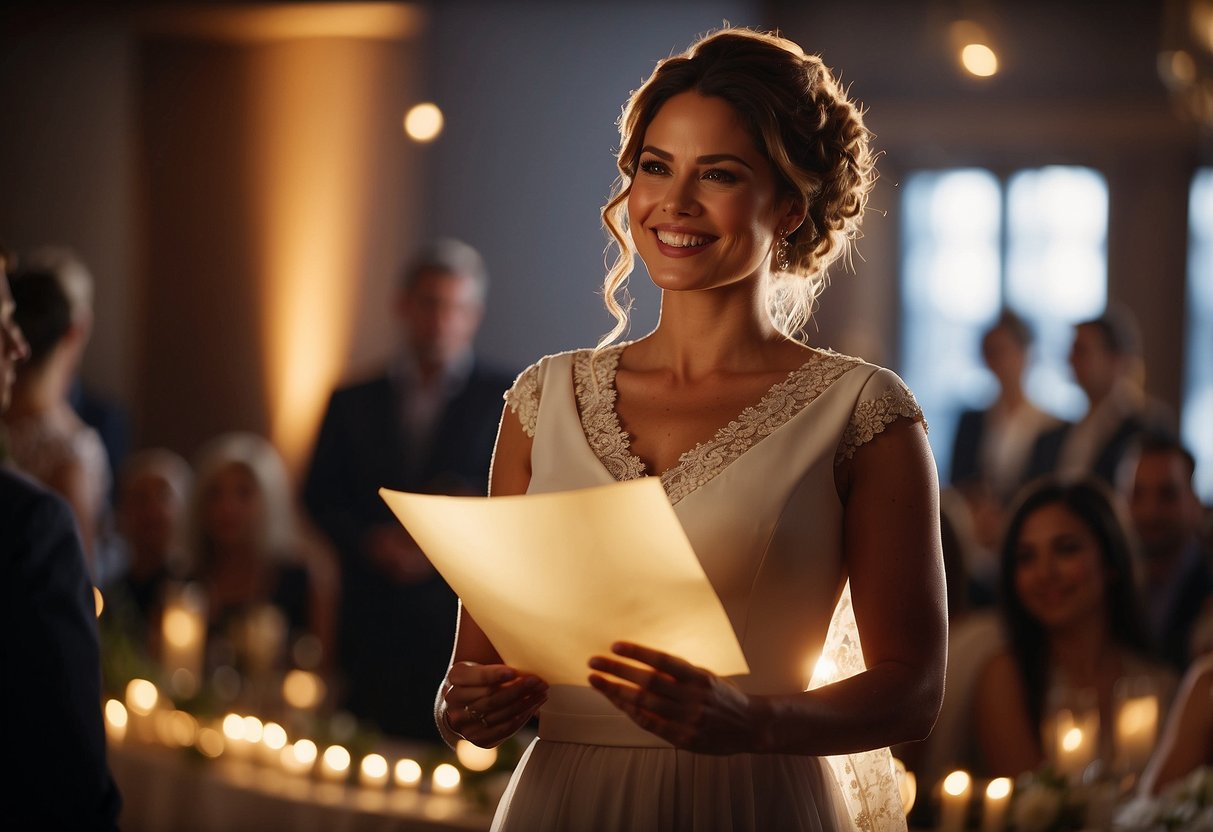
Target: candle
pixel 473 757
pixel 954 807
pixel 183 631
pixel 446 779
pixel 1076 741
pixel 335 764
pixel 373 771
pixel 115 720
pixel 303 690
pixel 994 808
pixel 408 773
pixel 1136 732
pixel 299 757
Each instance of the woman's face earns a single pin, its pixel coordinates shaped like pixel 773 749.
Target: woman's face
pixel 1059 573
pixel 234 507
pixel 704 209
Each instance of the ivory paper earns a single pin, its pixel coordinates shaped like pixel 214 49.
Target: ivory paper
pixel 554 579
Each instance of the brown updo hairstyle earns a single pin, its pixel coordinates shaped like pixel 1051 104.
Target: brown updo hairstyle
pixel 800 120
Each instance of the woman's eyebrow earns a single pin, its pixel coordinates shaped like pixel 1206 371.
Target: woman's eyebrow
pixel 703 160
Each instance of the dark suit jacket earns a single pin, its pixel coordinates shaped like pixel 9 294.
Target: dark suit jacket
pixel 50 669
pixel 395 640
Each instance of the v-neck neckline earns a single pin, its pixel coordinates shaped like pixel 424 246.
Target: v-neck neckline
pixel 596 402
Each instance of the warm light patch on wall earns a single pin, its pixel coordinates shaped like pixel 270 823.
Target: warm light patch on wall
pixel 287 22
pixel 423 122
pixel 315 169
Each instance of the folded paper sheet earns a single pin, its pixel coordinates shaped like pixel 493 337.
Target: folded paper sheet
pixel 553 579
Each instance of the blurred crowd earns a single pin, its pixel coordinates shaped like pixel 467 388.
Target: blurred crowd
pixel 1079 557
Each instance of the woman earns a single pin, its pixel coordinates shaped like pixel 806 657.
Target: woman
pixel 744 172
pixel 1071 619
pixel 46 438
pixel 248 551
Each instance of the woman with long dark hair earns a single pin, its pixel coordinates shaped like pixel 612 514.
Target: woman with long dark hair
pixel 1071 617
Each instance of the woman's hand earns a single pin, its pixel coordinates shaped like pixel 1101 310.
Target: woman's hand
pixel 487 703
pixel 687 706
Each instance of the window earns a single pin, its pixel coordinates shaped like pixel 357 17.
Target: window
pixel 974 243
pixel 1197 422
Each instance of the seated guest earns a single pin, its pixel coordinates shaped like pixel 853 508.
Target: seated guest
pixel 1167 516
pixel 1187 738
pixel 1070 613
pixel 250 555
pixel 46 438
pixel 152 493
pixel 50 690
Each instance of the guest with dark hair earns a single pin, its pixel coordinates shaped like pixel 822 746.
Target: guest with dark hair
pixel 1071 618
pixel 46 438
pixel 425 424
pixel 50 690
pixel 1167 515
pixel 993 444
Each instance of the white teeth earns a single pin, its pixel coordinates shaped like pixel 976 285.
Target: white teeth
pixel 671 238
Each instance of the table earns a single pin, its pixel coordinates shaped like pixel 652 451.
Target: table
pixel 166 790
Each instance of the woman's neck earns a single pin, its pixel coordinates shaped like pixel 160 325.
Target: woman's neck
pixel 700 333
pixel 1083 653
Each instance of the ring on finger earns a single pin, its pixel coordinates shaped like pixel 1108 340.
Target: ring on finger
pixel 478 716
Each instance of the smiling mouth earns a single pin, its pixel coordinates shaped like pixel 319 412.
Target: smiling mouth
pixel 679 240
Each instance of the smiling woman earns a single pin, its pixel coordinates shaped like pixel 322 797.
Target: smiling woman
pixel 1070 614
pixel 801 477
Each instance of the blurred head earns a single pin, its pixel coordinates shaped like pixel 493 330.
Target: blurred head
pixel 1163 504
pixel 1104 351
pixel 1004 348
pixel 1066 559
pixel 43 312
pixel 73 276
pixel 152 492
pixel 13 348
pixel 799 121
pixel 1066 562
pixel 241 498
pixel 441 302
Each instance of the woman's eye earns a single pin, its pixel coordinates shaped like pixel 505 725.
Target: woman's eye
pixel 652 166
pixel 718 175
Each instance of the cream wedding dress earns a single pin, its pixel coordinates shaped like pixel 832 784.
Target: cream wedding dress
pixel 759 505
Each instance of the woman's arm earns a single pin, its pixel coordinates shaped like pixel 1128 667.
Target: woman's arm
pixel 893 558
pixel 72 480
pixel 481 699
pixel 1187 740
pixel 1009 742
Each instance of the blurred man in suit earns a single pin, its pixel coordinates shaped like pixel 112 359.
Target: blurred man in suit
pixel 426 424
pixel 1167 515
pixel 50 661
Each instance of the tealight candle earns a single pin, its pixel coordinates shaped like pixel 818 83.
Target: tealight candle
pixel 183 631
pixel 1076 737
pixel 994 808
pixel 446 779
pixel 299 757
pixel 408 773
pixel 373 771
pixel 115 720
pixel 954 798
pixel 1136 725
pixel 335 764
pixel 473 757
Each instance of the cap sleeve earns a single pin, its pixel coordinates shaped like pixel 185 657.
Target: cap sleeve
pixel 885 398
pixel 523 396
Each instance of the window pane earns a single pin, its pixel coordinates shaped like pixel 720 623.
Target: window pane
pixel 1057 270
pixel 1198 375
pixel 951 293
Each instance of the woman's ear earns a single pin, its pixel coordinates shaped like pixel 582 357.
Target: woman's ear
pixel 794 211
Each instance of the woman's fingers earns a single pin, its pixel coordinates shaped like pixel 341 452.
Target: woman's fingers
pixel 678 668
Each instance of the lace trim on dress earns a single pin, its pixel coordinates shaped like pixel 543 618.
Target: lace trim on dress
pixel 594 384
pixel 783 401
pixel 523 399
pixel 872 416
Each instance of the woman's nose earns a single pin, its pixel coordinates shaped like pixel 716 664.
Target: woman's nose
pixel 680 198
